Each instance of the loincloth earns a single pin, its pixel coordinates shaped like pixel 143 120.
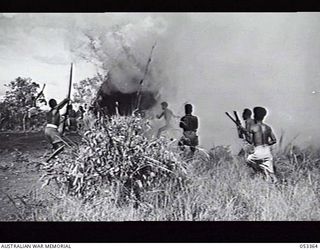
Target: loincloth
pixel 52 134
pixel 262 157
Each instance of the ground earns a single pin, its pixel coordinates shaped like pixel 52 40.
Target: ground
pixel 20 155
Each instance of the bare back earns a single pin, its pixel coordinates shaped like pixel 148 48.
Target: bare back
pixel 167 114
pixel 262 135
pixel 248 123
pixel 53 117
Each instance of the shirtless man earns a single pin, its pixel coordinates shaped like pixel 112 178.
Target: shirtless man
pixel 167 114
pixel 261 136
pixel 246 116
pixel 53 121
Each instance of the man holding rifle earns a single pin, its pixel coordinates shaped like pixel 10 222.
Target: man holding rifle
pixel 261 136
pixel 246 116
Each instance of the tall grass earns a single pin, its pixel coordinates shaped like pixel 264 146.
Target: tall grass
pixel 214 186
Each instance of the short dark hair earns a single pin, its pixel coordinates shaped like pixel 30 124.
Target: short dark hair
pixel 52 103
pixel 188 108
pixel 247 112
pixel 165 104
pixel 259 113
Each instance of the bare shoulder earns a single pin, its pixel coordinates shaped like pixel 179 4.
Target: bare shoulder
pixel 268 128
pixel 251 122
pixel 253 127
pixel 168 111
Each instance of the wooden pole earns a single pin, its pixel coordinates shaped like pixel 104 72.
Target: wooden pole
pixel 69 94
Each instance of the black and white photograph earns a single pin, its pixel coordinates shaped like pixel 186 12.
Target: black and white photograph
pixel 117 117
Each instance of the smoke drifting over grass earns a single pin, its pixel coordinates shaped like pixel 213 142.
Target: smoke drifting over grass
pixel 218 62
pixel 223 62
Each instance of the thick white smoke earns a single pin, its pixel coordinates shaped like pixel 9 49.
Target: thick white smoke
pixel 122 52
pixel 218 62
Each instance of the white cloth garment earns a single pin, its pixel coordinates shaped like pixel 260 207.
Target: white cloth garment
pixel 262 157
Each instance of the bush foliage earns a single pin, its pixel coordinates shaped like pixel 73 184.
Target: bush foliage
pixel 16 104
pixel 117 152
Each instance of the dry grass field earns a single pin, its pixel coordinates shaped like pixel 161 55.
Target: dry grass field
pixel 120 173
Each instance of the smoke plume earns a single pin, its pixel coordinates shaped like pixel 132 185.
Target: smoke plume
pixel 216 61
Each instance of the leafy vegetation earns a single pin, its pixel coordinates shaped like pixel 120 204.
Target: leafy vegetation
pixel 86 90
pixel 15 107
pixel 117 155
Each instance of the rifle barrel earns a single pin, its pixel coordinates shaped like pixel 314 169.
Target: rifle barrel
pixel 232 119
pixel 237 117
pixel 238 123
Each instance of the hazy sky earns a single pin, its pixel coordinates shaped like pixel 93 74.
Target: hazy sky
pixel 217 61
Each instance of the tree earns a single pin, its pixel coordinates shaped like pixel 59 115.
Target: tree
pixel 17 101
pixel 85 92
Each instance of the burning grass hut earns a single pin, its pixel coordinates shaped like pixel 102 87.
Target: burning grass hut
pixel 124 89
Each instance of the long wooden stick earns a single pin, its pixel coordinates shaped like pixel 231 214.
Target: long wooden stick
pixel 40 93
pixel 144 76
pixel 69 94
pixel 55 153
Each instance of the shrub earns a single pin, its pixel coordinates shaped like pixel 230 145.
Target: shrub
pixel 116 154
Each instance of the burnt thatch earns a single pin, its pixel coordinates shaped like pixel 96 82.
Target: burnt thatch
pixel 127 102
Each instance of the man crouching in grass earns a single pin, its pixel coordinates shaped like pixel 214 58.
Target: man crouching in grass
pixel 262 137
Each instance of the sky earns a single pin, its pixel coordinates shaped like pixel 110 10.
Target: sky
pixel 216 61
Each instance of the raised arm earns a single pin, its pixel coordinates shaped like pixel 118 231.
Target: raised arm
pixel 62 103
pixel 41 93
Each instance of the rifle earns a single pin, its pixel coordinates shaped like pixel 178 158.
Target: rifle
pixel 69 93
pixel 144 76
pixel 240 132
pixel 240 129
